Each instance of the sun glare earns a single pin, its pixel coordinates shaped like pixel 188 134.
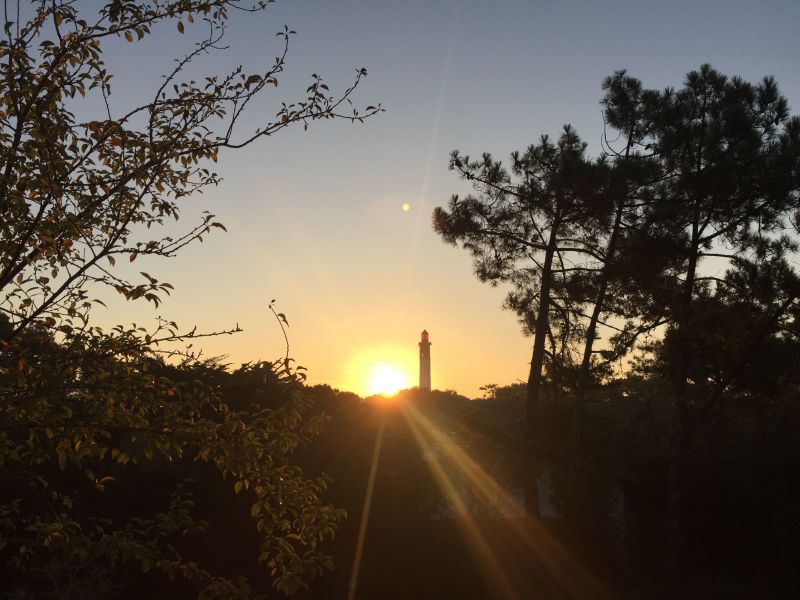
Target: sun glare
pixel 386 380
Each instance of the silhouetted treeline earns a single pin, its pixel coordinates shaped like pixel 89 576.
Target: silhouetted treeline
pixel 608 516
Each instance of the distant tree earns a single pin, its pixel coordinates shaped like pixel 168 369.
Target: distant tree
pixel 489 391
pixel 80 195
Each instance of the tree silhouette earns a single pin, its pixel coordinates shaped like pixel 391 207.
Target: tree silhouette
pixel 526 227
pixel 556 234
pixel 727 153
pixel 705 173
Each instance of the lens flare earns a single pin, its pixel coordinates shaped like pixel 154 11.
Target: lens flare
pixel 362 530
pixel 450 461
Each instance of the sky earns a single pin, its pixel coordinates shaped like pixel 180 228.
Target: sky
pixel 315 219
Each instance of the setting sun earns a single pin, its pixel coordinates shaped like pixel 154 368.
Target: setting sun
pixel 386 380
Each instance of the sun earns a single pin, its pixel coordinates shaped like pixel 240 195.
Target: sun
pixel 385 380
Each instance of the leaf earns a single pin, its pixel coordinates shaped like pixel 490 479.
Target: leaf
pixel 180 26
pixel 251 80
pixel 255 509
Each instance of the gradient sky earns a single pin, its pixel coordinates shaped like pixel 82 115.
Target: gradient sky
pixel 315 219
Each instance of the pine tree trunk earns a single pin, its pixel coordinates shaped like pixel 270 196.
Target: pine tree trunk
pixel 586 361
pixel 534 388
pixel 584 375
pixel 679 462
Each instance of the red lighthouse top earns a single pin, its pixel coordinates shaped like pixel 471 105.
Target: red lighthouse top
pixel 424 335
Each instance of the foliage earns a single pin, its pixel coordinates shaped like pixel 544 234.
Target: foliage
pixel 85 410
pixel 557 227
pixel 727 153
pixel 74 193
pixel 507 227
pixel 99 413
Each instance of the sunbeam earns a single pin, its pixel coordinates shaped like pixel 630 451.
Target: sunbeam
pixel 569 574
pixel 362 529
pixel 477 544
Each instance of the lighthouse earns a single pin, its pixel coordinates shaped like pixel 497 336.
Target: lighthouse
pixel 424 362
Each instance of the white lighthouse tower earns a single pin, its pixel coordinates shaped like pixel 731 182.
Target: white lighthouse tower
pixel 424 362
